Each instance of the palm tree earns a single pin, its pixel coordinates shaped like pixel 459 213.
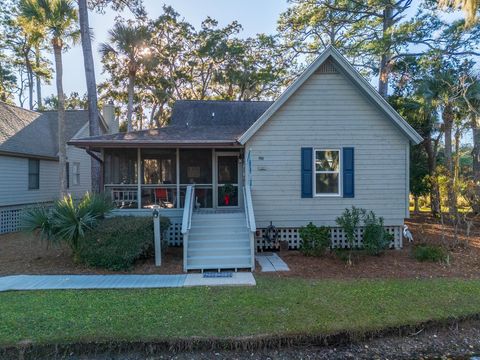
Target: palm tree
pixel 129 42
pixel 93 123
pixel 59 18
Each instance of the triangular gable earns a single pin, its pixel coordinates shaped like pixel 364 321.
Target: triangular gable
pixel 341 64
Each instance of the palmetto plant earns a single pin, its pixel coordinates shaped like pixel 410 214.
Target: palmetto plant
pixel 67 221
pixel 128 42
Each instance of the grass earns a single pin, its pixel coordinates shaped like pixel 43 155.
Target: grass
pixel 273 307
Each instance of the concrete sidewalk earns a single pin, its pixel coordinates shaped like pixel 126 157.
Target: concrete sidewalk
pixel 69 282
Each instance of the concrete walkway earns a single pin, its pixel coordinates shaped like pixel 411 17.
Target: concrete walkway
pixel 68 282
pixel 271 262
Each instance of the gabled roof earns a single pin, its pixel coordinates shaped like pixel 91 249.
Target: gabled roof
pixel 348 70
pixel 195 122
pixel 30 133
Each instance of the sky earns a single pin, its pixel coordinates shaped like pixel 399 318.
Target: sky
pixel 256 16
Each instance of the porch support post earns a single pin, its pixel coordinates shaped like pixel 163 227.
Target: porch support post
pixel 177 159
pixel 139 179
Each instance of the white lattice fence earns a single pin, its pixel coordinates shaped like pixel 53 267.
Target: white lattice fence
pixel 338 239
pixel 11 216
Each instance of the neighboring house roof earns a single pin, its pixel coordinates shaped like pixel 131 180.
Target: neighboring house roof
pixel 193 122
pixel 350 72
pixel 30 133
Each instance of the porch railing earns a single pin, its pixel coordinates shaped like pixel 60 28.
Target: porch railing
pixel 250 216
pixel 187 221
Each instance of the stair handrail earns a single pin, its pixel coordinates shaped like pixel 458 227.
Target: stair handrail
pixel 188 209
pixel 250 216
pixel 247 197
pixel 187 221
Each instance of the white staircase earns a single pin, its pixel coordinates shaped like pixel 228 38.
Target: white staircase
pixel 219 240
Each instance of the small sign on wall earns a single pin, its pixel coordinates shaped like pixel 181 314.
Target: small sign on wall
pixel 193 171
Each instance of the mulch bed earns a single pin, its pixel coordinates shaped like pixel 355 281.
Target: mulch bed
pixel 464 257
pixel 21 253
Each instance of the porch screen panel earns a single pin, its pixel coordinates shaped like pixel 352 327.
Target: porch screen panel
pixel 120 166
pixel 196 168
pixel 159 166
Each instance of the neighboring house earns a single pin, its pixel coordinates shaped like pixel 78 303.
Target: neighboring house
pixel 29 171
pixel 223 171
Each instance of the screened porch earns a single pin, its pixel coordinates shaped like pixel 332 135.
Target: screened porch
pixel 143 177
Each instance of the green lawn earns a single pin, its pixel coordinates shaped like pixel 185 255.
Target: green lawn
pixel 274 306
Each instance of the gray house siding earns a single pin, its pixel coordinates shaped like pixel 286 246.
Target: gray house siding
pixel 328 111
pixel 14 182
pixel 77 155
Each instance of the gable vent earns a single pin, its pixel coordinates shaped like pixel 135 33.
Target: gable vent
pixel 327 68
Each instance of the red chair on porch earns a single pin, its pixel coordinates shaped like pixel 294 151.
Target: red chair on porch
pixel 161 197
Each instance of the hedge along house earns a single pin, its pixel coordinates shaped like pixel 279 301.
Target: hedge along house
pixel 223 171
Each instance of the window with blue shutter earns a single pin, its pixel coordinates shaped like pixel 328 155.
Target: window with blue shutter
pixel 348 172
pixel 307 172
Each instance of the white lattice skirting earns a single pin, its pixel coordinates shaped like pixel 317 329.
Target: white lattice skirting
pixel 11 216
pixel 338 239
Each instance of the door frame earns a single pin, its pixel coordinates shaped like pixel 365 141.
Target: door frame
pixel 216 155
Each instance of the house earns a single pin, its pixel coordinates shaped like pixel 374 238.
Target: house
pixel 223 171
pixel 29 159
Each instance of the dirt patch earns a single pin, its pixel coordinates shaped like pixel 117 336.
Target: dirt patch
pixel 464 259
pixel 22 253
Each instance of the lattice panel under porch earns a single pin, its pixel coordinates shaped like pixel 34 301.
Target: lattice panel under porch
pixel 338 240
pixel 174 233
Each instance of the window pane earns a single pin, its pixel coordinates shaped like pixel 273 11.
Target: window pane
pixel 327 184
pixel 33 182
pixel 33 174
pixel 327 160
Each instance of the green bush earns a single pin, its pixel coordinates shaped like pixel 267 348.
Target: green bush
pixel 68 220
pixel 427 252
pixel 375 238
pixel 315 240
pixel 117 243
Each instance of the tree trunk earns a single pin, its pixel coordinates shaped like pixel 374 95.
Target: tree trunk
pixel 384 68
pixel 448 124
pixel 28 65
pixel 131 84
pixel 476 160
pixel 434 188
pixel 38 79
pixel 93 122
pixel 62 146
pixel 416 208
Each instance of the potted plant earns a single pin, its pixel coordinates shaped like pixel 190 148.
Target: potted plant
pixel 228 191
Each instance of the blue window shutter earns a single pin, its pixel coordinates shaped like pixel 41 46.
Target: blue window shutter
pixel 307 172
pixel 348 173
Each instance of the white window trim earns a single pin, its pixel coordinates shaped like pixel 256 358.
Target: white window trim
pixel 315 172
pixel 75 179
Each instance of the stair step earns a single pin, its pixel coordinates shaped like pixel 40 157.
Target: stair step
pixel 243 235
pixel 225 252
pixel 219 243
pixel 219 267
pixel 214 261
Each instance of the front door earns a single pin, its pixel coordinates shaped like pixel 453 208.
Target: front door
pixel 227 180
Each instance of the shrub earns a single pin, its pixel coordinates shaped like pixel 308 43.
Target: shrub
pixel 315 240
pixel 427 252
pixel 117 243
pixel 375 238
pixel 349 222
pixel 67 221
